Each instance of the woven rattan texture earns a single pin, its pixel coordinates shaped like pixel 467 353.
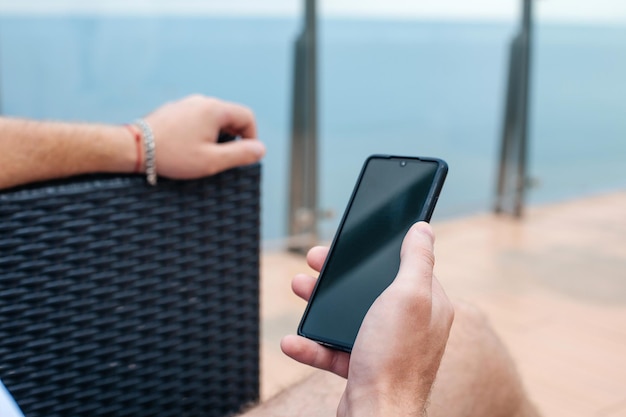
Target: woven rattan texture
pixel 120 299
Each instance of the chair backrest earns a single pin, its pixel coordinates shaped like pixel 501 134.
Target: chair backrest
pixel 121 299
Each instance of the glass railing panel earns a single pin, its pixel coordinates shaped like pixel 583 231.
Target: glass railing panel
pixel 578 99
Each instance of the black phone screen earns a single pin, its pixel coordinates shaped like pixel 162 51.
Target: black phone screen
pixel 392 193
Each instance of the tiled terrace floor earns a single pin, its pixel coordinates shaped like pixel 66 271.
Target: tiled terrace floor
pixel 553 285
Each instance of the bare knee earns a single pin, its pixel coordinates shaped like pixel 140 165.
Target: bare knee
pixel 473 339
pixel 477 373
pixel 470 316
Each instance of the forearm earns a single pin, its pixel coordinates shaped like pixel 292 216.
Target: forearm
pixel 35 151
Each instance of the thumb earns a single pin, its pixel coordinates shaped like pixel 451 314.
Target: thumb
pixel 417 258
pixel 233 154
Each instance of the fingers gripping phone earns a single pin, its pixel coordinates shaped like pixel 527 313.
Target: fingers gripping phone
pixel 390 195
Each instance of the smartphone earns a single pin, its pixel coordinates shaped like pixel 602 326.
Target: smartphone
pixel 391 194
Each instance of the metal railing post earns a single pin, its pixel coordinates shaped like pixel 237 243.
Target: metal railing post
pixel 303 206
pixel 512 176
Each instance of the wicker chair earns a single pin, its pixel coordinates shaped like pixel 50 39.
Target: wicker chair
pixel 121 299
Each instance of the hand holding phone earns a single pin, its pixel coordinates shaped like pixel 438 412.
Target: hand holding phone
pixel 391 194
pixel 400 343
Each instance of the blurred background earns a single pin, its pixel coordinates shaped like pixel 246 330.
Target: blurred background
pixel 395 77
pixel 401 77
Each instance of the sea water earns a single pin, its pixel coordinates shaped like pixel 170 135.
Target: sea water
pixel 385 86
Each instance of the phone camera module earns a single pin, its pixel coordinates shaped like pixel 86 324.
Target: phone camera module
pixel 402 163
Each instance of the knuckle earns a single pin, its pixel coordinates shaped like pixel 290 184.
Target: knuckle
pixel 210 104
pixel 249 112
pixel 422 253
pixel 427 256
pixel 204 102
pixel 195 98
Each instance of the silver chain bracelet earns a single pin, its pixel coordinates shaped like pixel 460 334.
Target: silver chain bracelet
pixel 149 150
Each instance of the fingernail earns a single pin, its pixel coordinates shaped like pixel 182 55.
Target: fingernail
pixel 425 228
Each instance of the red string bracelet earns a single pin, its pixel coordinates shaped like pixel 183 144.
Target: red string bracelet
pixel 137 135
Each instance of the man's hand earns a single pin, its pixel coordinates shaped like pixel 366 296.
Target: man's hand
pixel 399 347
pixel 186 132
